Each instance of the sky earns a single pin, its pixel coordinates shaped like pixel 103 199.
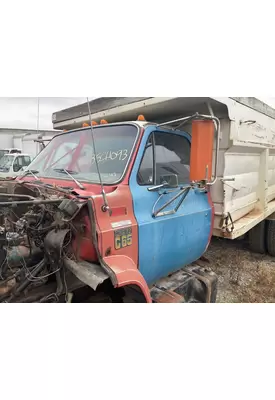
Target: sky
pixel 21 112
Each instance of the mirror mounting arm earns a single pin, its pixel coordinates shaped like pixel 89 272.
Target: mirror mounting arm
pixel 156 188
pixel 182 193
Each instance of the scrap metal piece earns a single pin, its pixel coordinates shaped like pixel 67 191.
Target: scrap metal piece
pixel 91 274
pixel 54 242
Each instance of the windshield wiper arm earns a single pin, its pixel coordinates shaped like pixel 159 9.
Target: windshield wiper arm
pixel 68 173
pixel 30 172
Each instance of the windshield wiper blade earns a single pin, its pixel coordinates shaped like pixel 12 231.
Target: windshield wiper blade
pixel 69 171
pixel 60 170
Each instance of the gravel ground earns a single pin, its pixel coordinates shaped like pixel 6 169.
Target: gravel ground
pixel 244 277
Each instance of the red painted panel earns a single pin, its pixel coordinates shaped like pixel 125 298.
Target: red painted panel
pixel 106 227
pixel 123 262
pixel 127 274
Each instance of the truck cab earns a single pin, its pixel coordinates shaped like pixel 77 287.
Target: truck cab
pixel 153 214
pixel 13 164
pixel 128 208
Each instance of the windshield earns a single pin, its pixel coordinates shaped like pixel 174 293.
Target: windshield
pixel 74 153
pixel 6 162
pixel 2 153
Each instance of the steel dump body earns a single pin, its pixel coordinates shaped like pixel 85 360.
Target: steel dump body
pixel 244 193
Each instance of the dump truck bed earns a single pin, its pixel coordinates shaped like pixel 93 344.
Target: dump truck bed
pixel 244 194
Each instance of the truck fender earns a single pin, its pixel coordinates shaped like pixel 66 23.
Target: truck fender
pixel 127 274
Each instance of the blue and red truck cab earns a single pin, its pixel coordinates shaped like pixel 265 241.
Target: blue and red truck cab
pixel 139 206
pixel 155 216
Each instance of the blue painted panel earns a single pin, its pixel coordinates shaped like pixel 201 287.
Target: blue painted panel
pixel 169 242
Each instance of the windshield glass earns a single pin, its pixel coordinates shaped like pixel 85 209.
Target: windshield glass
pixel 3 152
pixel 74 153
pixel 6 162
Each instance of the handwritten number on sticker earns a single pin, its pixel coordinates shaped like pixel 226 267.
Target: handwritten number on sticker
pixel 120 155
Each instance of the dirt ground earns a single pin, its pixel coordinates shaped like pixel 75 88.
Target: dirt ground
pixel 244 277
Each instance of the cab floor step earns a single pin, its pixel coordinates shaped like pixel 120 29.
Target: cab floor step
pixel 166 296
pixel 192 284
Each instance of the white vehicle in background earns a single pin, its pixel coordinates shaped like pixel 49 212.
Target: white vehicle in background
pixel 13 165
pixel 9 151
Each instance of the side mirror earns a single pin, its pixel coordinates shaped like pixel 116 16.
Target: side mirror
pixel 202 145
pixel 171 181
pixel 166 181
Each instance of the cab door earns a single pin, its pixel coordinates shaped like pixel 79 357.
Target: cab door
pixel 172 233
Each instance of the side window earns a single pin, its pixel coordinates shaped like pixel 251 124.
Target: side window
pixel 172 154
pixel 26 161
pixel 20 162
pixel 16 165
pixel 146 169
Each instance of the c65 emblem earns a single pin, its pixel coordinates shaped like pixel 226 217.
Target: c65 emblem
pixel 123 238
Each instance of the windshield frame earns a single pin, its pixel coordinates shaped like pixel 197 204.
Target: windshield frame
pixel 122 177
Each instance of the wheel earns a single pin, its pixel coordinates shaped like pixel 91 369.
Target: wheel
pixel 256 237
pixel 270 238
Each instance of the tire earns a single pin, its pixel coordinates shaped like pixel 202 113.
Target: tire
pixel 256 238
pixel 270 238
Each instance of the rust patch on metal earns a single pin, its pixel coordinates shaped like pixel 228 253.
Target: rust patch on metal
pixel 166 296
pixel 8 287
pixel 170 297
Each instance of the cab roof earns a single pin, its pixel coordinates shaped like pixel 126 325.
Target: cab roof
pixel 17 154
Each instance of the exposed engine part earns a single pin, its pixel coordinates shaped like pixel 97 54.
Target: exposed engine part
pixel 36 233
pixel 7 287
pixel 15 255
pixel 69 207
pixel 26 282
pixel 12 236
